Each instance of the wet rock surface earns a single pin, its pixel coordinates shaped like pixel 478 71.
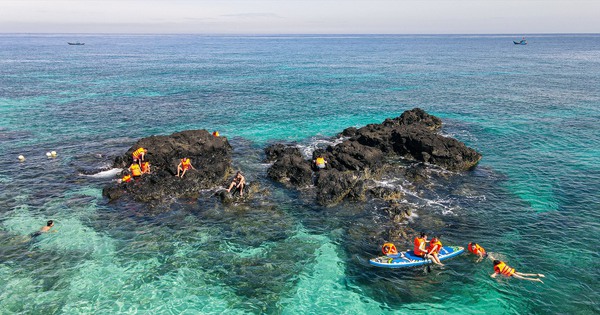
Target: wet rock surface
pixel 366 152
pixel 211 156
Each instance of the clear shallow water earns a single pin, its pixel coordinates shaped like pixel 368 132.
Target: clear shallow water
pixel 532 111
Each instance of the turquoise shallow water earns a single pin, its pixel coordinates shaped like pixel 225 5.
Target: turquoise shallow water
pixel 532 111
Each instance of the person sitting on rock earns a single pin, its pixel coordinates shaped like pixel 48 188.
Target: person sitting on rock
pixel 215 133
pixel 135 170
pixel 138 155
pixel 320 162
pixel 239 181
pixel 184 165
pixel 501 268
pixel 434 249
pixel 146 167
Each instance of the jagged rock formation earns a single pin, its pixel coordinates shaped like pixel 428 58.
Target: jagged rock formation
pixel 210 155
pixel 363 155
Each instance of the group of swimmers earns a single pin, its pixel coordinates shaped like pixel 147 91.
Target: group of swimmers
pixel 435 245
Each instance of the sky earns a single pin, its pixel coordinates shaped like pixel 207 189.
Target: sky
pixel 300 16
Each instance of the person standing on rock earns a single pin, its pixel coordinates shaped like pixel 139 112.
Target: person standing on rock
pixel 239 181
pixel 138 155
pixel 184 165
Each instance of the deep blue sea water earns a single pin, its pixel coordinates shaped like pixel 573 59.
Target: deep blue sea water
pixel 532 111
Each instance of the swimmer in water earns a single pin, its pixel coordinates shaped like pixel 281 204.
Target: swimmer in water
pixel 44 229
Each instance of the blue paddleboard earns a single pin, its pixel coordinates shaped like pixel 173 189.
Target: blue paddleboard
pixel 409 259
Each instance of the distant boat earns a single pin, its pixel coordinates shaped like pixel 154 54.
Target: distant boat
pixel 76 43
pixel 521 42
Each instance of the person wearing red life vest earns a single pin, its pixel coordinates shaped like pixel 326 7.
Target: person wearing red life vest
pixel 184 165
pixel 434 249
pixel 420 248
pixel 500 268
pixel 477 250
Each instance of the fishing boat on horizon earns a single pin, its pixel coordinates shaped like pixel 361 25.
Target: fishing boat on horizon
pixel 521 42
pixel 75 43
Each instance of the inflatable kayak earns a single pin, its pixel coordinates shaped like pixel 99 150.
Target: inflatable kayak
pixel 409 259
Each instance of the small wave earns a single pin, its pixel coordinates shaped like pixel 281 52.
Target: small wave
pixel 308 149
pixel 105 174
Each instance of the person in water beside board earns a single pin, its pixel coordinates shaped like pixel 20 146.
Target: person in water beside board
pixel 501 268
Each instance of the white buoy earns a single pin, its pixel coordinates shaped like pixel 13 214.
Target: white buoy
pixel 21 158
pixel 53 153
pixel 48 154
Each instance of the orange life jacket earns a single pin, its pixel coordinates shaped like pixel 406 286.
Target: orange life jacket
pixel 145 167
pixel 126 178
pixel 137 153
pixel 389 248
pixel 434 246
pixel 186 164
pixel 135 169
pixel 216 133
pixel 476 249
pixel 504 269
pixel 418 242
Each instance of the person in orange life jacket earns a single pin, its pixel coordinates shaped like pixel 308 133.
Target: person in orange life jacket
pixel 146 167
pixel 215 133
pixel 320 162
pixel 501 268
pixel 135 170
pixel 478 250
pixel 126 179
pixel 183 166
pixel 389 249
pixel 138 155
pixel 434 249
pixel 239 181
pixel 420 249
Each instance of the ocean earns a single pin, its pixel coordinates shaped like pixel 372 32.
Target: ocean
pixel 533 200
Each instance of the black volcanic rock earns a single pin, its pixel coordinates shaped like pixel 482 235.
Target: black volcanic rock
pixel 211 156
pixel 412 136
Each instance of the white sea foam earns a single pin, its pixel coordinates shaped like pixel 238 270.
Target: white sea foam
pixel 308 149
pixel 105 174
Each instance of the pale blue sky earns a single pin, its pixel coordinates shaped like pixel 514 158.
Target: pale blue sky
pixel 304 17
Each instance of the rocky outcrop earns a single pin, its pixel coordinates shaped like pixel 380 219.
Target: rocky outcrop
pixel 211 156
pixel 361 156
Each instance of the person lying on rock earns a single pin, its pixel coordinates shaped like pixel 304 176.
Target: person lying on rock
pixel 184 165
pixel 126 178
pixel 320 162
pixel 238 182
